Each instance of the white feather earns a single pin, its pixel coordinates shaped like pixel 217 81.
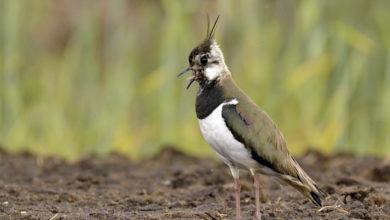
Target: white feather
pixel 214 70
pixel 218 135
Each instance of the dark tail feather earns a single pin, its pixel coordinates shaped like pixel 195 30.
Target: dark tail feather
pixel 303 183
pixel 316 198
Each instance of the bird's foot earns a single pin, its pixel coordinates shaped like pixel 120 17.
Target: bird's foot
pixel 258 215
pixel 238 217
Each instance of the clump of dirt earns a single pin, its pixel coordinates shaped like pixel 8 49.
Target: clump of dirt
pixel 173 185
pixel 381 173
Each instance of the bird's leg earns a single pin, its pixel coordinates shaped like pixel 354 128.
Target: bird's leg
pixel 237 187
pixel 257 189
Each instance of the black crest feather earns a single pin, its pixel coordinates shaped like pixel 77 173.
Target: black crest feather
pixel 210 33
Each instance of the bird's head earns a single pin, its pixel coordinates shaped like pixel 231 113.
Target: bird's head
pixel 206 61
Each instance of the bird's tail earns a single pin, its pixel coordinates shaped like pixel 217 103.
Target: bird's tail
pixel 304 184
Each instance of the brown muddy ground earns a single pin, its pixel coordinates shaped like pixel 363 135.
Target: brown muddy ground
pixel 176 186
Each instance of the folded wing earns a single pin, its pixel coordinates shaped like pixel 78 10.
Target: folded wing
pixel 256 130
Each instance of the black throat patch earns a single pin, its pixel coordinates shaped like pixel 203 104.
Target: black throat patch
pixel 209 98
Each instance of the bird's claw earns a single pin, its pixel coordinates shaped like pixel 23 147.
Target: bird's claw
pixel 258 215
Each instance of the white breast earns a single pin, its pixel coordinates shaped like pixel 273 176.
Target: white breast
pixel 218 135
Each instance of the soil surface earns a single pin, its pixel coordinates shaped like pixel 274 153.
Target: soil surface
pixel 176 186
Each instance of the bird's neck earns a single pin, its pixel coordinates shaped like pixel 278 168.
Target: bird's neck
pixel 209 97
pixel 213 94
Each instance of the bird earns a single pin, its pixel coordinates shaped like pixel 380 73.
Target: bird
pixel 242 134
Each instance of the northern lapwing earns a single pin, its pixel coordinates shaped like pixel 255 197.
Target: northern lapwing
pixel 242 134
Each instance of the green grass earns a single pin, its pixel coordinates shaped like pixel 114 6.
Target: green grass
pixel 97 76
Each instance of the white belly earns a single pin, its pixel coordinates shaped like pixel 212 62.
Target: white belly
pixel 218 135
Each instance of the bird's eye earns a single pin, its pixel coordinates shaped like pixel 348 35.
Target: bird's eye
pixel 203 60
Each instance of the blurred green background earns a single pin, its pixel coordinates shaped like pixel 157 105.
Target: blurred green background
pixel 81 77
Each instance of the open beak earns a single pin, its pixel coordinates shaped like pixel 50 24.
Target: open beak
pixel 192 78
pixel 184 71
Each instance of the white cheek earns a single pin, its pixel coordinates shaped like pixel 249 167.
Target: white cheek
pixel 213 72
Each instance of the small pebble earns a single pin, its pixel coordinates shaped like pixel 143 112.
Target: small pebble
pixel 5 203
pixel 167 183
